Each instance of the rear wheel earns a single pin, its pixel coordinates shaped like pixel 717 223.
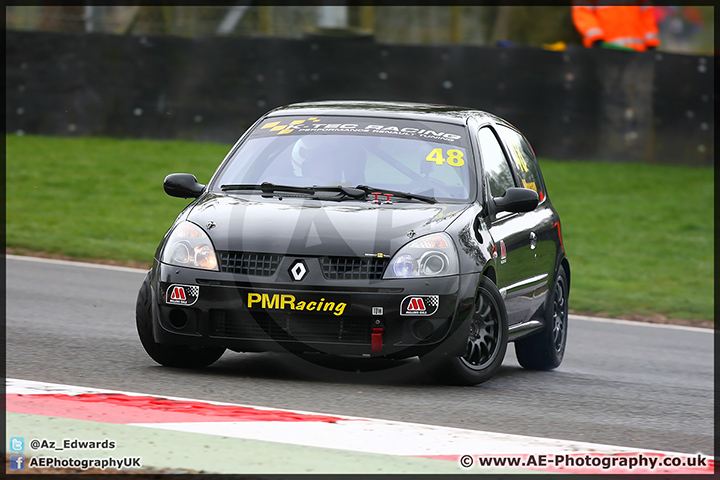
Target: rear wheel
pixel 545 350
pixel 182 356
pixel 486 342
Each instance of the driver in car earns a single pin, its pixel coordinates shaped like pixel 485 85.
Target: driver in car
pixel 323 165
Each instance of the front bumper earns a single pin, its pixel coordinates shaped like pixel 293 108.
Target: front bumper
pixel 396 318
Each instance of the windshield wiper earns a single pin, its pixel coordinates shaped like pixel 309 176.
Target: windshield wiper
pixel 395 193
pixel 346 192
pixel 361 191
pixel 358 193
pixel 268 188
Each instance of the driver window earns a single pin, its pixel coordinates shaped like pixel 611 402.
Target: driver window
pixel 525 162
pixel 496 166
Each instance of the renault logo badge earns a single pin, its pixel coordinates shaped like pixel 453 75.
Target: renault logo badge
pixel 298 270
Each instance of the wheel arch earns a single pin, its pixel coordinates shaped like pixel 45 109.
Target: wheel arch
pixel 565 265
pixel 490 273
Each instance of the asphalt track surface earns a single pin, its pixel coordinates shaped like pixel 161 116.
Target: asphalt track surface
pixel 621 383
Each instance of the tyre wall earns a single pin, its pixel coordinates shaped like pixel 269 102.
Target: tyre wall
pixel 579 103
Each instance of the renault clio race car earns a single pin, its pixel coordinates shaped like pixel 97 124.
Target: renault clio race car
pixel 364 229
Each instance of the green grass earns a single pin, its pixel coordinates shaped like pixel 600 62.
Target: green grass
pixel 97 197
pixel 639 237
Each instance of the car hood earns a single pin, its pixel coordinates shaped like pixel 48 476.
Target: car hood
pixel 310 227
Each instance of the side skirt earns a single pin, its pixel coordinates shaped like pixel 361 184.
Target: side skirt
pixel 522 330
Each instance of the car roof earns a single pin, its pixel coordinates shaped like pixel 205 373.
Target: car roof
pixel 405 110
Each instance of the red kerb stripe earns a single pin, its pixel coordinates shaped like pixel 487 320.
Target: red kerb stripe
pixel 118 408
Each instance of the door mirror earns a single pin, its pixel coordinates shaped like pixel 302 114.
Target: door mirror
pixel 517 200
pixel 182 185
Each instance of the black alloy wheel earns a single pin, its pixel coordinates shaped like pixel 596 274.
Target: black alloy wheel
pixel 486 342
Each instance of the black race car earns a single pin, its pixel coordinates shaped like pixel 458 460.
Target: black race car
pixel 365 229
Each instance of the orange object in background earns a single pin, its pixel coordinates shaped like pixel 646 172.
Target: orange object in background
pixel 626 26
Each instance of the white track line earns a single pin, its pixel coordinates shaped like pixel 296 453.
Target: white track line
pixel 72 263
pixel 639 324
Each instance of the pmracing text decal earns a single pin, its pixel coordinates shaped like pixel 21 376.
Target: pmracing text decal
pixel 182 294
pixel 419 305
pixel 277 301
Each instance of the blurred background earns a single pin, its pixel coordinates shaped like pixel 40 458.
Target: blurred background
pixel 207 72
pixel 683 29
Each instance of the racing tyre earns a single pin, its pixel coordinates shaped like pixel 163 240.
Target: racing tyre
pixel 545 350
pixel 486 342
pixel 181 356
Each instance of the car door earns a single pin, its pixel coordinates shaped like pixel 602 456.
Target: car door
pixel 509 230
pixel 540 252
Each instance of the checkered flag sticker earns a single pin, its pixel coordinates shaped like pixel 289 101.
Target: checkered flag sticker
pixel 419 305
pixel 432 301
pixel 182 294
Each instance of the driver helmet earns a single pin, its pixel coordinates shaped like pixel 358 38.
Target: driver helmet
pixel 309 154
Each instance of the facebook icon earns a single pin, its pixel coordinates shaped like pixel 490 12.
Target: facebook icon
pixel 17 462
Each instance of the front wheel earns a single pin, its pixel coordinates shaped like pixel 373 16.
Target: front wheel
pixel 486 342
pixel 182 356
pixel 545 350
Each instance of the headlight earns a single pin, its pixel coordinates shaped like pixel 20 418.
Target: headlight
pixel 429 256
pixel 189 246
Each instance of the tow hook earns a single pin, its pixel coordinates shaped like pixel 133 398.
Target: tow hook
pixel 376 337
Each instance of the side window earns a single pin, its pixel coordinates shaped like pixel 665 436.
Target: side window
pixel 524 159
pixel 496 165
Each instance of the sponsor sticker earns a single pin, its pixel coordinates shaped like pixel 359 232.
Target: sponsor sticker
pixel 439 132
pixel 289 127
pixel 277 301
pixel 419 305
pixel 182 294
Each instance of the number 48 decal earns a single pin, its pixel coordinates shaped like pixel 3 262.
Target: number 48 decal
pixel 454 158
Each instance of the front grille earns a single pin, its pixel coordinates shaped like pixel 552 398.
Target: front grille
pixel 261 264
pixel 281 327
pixel 353 268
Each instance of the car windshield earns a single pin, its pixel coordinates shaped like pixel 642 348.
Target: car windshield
pixel 423 158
